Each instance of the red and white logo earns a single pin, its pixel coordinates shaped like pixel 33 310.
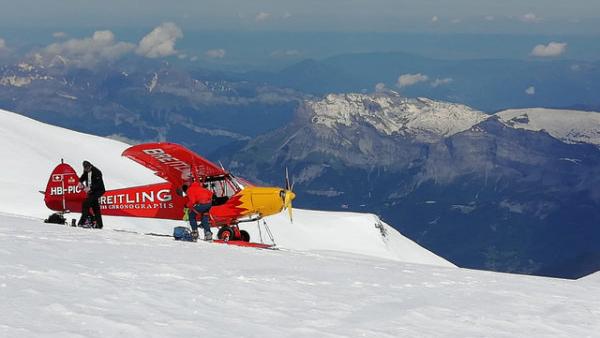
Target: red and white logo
pixel 71 180
pixel 57 178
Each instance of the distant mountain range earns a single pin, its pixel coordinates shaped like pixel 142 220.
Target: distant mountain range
pixel 517 191
pixel 140 102
pixel 143 99
pixel 487 84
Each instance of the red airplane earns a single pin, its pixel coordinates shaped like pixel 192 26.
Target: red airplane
pixel 235 199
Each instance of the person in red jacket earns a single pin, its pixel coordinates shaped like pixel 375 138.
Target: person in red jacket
pixel 199 203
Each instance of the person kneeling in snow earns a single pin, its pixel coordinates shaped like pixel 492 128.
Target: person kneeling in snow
pixel 199 203
pixel 91 182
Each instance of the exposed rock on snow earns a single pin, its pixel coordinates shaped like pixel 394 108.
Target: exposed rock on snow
pixel 21 81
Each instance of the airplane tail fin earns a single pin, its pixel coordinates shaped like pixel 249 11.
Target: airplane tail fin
pixel 62 192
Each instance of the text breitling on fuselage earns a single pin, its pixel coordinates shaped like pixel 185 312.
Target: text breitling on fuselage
pixel 168 159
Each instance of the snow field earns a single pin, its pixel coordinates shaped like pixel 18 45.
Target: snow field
pixel 57 281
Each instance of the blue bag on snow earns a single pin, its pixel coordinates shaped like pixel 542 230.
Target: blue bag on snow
pixel 182 234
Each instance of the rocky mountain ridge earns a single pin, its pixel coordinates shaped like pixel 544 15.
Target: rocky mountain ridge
pixel 424 119
pixel 429 120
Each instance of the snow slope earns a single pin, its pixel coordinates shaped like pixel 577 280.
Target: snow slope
pixel 595 277
pixel 58 281
pixel 32 149
pixel 570 126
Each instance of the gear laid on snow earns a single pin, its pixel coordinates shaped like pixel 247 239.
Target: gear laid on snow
pixel 184 234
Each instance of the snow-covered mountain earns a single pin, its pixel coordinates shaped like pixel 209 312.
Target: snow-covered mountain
pixel 31 150
pixel 429 120
pixel 424 119
pixel 570 126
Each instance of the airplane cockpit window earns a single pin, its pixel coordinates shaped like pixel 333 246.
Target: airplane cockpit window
pixel 223 188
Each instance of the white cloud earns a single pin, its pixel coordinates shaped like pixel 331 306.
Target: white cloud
pixel 106 36
pixel 380 87
pixel 194 58
pixel 551 49
pixel 216 53
pixel 262 16
pixel 441 82
pixel 407 80
pixel 88 51
pixel 575 67
pixel 435 19
pixel 530 90
pixel 490 18
pixel 456 21
pixel 286 53
pixel 160 42
pixel 287 15
pixel 59 35
pixel 530 18
pixel 4 51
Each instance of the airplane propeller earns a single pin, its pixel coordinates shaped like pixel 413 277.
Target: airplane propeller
pixel 288 195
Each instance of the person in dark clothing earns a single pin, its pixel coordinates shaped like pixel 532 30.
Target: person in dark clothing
pixel 92 183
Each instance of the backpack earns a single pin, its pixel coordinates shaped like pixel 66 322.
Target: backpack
pixel 182 234
pixel 56 219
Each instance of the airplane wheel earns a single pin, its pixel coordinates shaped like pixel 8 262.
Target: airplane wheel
pixel 245 235
pixel 225 233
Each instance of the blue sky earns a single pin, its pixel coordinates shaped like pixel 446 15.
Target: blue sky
pixel 449 16
pixel 273 33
